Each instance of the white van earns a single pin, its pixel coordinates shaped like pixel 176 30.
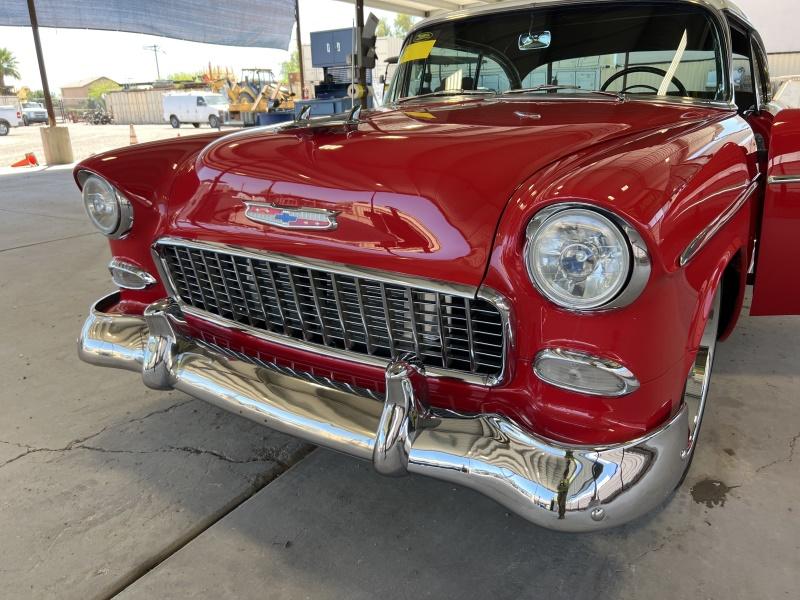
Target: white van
pixel 10 116
pixel 195 108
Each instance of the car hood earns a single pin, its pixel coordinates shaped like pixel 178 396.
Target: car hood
pixel 417 190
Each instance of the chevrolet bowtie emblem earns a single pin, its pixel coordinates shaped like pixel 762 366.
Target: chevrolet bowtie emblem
pixel 290 218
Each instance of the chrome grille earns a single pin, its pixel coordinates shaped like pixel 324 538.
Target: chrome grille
pixel 347 313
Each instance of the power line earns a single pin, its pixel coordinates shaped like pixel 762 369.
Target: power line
pixel 155 48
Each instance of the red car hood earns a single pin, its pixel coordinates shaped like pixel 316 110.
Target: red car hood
pixel 418 190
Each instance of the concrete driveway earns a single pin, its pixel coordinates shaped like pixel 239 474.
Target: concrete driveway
pixel 107 488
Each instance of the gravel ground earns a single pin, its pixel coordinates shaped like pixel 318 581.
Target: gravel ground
pixel 86 139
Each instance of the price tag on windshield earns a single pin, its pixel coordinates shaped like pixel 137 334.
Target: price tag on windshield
pixel 419 48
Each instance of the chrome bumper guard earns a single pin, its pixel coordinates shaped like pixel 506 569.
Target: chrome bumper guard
pixel 561 487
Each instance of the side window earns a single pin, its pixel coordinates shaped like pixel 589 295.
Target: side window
pixel 742 73
pixel 761 65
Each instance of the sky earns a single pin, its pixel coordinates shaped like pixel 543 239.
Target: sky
pixel 75 54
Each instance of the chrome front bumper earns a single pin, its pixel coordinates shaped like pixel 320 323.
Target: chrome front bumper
pixel 562 487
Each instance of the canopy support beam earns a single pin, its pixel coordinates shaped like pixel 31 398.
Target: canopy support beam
pixel 48 100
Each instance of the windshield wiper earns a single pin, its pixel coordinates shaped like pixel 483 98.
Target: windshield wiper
pixel 448 93
pixel 555 87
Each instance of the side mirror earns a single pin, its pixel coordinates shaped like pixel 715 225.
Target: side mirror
pixel 382 79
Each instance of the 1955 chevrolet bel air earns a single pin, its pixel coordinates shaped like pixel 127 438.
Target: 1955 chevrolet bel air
pixel 512 276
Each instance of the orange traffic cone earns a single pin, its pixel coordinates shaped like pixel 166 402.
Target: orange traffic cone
pixel 134 139
pixel 28 161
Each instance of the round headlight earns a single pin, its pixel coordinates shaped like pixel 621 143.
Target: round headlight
pixel 109 210
pixel 577 257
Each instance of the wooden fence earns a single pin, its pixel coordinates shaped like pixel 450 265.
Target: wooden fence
pixel 136 106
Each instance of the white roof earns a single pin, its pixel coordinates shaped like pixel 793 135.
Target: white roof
pixel 460 8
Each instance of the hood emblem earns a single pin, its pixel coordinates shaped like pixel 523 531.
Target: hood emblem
pixel 290 217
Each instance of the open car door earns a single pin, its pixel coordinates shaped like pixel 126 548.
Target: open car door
pixel 777 287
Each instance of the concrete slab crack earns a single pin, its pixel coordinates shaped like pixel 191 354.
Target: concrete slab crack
pixel 786 459
pixel 78 442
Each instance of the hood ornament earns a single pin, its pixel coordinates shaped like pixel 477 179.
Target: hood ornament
pixel 286 217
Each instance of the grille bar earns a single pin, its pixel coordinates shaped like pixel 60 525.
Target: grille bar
pixel 350 313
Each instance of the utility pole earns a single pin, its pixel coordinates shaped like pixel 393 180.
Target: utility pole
pixel 155 48
pixel 48 101
pixel 300 50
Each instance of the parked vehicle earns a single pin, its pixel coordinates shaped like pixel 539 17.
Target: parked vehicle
pixel 98 117
pixel 513 276
pixel 33 112
pixel 195 108
pixel 10 116
pixel 786 91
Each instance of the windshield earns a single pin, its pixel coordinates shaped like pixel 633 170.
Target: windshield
pixel 215 100
pixel 32 105
pixel 636 50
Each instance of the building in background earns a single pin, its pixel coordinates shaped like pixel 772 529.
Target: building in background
pixel 76 94
pixel 774 20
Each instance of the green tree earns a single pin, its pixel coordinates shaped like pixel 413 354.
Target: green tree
pixel 290 66
pixel 383 29
pixel 185 76
pixel 100 89
pixel 402 25
pixel 8 66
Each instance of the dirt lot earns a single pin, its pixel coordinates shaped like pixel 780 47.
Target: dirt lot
pixel 86 139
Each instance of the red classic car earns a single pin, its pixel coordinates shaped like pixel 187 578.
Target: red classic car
pixel 512 276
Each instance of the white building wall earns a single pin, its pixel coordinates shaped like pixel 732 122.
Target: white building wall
pixel 776 21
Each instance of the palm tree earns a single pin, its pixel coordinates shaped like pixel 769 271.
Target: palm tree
pixel 8 66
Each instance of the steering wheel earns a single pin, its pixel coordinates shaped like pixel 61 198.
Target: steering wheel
pixel 644 69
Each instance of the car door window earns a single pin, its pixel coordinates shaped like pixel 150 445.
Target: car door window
pixel 742 74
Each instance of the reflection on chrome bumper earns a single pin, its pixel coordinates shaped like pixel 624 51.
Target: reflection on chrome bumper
pixel 568 488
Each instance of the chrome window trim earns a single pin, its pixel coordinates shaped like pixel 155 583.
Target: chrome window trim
pixel 699 242
pixel 118 264
pixel 640 264
pixel 484 292
pixel 783 179
pixel 631 384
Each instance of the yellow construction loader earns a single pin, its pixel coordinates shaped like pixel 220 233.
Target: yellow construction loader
pixel 258 91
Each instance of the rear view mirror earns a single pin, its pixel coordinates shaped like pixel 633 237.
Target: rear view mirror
pixel 535 40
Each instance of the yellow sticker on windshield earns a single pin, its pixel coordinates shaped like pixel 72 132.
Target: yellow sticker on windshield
pixel 417 51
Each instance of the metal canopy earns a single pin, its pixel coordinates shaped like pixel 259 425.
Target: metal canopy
pixel 422 8
pixel 252 23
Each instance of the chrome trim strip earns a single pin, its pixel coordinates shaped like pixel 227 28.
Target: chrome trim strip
pixel 639 257
pixel 484 293
pixel 431 285
pixel 699 242
pixel 117 264
pixel 629 381
pixel 783 179
pixel 554 485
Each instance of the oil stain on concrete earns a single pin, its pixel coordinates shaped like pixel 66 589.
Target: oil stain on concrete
pixel 711 493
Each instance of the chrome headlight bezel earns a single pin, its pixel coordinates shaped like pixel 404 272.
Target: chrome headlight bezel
pixel 639 264
pixel 123 221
